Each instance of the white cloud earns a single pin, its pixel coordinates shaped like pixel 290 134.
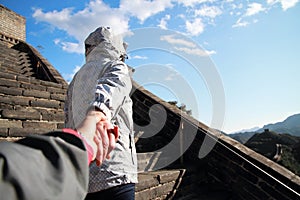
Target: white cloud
pixel 163 22
pixel 79 24
pixel 56 41
pixel 195 51
pixel 254 8
pixel 240 23
pixel 208 11
pixel 70 47
pixel 142 9
pixel 177 41
pixel 285 4
pixel 195 27
pixel 96 13
pixel 138 57
pixel 192 3
pixel 238 6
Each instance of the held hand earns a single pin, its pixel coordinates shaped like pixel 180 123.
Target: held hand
pixel 97 130
pixel 106 138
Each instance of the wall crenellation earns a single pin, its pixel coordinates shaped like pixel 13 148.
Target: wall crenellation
pixel 12 26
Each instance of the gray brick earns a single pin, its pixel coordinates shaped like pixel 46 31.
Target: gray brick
pixel 3 132
pixel 155 192
pixel 57 116
pixel 10 83
pixel 33 86
pixel 60 125
pixel 24 79
pixel 146 181
pixel 37 93
pixel 8 76
pixel 51 84
pixel 20 100
pixel 45 103
pixel 4 106
pixel 56 90
pixel 10 124
pixel 18 114
pixel 11 91
pixel 22 132
pixel 60 97
pixel 40 125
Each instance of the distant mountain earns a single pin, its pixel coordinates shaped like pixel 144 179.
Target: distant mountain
pixel 242 137
pixel 290 126
pixel 281 148
pixel 247 130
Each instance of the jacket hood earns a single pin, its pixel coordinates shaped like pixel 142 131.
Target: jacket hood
pixel 103 43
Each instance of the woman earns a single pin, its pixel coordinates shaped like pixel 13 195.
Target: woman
pixel 105 68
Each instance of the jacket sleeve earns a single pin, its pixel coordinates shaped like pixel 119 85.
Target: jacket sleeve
pixel 52 166
pixel 113 88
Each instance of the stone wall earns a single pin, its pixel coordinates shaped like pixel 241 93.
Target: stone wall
pixel 12 26
pixel 29 105
pixel 230 168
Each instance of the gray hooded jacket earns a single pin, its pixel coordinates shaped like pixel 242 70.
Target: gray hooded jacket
pixel 104 82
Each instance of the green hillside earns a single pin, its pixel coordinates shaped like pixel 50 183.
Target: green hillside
pixel 282 148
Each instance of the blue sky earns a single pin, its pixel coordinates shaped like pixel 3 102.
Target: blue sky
pixel 253 45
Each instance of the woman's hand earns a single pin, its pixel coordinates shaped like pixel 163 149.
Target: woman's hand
pixel 100 134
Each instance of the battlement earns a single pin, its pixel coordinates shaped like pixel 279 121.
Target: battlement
pixel 12 26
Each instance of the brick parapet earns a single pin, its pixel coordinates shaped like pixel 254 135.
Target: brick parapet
pixel 241 171
pixel 12 24
pixel 29 105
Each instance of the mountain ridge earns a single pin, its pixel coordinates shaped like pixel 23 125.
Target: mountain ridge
pixel 291 125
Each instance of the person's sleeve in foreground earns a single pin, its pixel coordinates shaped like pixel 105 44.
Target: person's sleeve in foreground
pixel 54 166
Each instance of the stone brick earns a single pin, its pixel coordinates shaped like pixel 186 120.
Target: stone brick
pixel 62 105
pixel 10 124
pixel 24 79
pixel 3 132
pixel 50 115
pixel 276 194
pixel 60 97
pixel 287 191
pixel 252 190
pixel 33 86
pixel 20 100
pixel 39 125
pixel 45 103
pixel 51 84
pixel 249 176
pixel 60 125
pixel 22 132
pixel 8 76
pixel 56 90
pixel 11 91
pixel 10 83
pixel 4 106
pixel 168 176
pixel 37 93
pixel 155 192
pixel 146 181
pixel 18 114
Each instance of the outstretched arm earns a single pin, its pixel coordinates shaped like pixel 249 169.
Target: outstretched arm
pixel 54 165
